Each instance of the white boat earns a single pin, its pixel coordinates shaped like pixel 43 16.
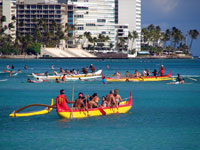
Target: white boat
pixel 94 75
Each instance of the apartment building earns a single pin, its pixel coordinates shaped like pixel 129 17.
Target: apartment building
pixel 0 14
pixel 96 17
pixel 29 12
pixel 9 11
pixel 129 12
pixel 121 32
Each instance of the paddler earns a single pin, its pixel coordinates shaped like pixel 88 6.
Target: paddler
pixel 62 101
pixel 64 78
pixel 92 68
pixel 162 70
pixel 104 80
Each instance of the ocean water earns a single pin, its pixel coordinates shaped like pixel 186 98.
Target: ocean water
pixel 164 116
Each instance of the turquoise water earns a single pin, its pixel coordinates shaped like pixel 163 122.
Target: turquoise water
pixel 163 116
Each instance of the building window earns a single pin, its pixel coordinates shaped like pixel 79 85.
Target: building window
pixel 90 24
pixel 101 20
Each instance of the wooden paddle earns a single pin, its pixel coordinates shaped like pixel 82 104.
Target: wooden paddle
pixel 72 101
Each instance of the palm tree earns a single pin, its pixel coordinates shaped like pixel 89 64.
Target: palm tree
pixel 193 35
pixel 145 35
pixel 132 36
pixel 121 43
pixel 177 36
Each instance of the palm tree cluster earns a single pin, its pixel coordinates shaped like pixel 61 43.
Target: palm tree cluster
pixel 156 41
pixel 95 42
pixel 43 34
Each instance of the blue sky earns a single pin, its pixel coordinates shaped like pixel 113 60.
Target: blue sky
pixel 183 14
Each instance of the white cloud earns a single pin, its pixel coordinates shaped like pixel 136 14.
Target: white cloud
pixel 166 6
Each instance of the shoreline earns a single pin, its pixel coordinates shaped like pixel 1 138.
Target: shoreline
pixel 138 57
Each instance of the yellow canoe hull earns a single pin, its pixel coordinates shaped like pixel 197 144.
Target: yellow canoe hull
pixel 33 113
pixel 137 79
pixel 123 107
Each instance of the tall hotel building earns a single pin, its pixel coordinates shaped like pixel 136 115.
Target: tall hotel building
pixel 128 12
pixel 9 11
pixel 29 12
pixel 94 16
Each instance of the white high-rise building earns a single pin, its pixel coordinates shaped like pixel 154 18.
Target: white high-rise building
pixel 129 12
pixel 9 11
pixel 95 16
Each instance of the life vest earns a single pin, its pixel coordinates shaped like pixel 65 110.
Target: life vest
pixel 63 106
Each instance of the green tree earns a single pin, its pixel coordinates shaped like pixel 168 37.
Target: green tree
pixel 34 48
pixel 193 35
pixel 132 36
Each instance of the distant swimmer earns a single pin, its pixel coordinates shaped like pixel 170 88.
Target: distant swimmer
pixel 58 81
pixel 107 66
pixel 7 66
pixel 19 71
pixel 29 81
pixel 25 67
pixel 13 67
pixel 180 79
pixel 10 73
pixel 52 67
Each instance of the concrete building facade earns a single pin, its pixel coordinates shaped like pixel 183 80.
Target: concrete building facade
pixel 9 11
pixel 28 15
pixel 129 12
pixel 0 14
pixel 96 17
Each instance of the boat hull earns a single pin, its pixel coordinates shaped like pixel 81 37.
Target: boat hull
pixel 71 77
pixel 123 107
pixel 137 79
pixel 33 113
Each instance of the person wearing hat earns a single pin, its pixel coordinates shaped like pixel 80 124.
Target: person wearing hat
pixel 162 70
pixel 79 103
pixel 92 68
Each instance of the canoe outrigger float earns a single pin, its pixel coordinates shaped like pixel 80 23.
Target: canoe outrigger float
pixel 46 110
pixel 136 79
pixel 123 107
pixel 70 77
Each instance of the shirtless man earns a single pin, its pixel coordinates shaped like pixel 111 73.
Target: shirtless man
pixel 79 102
pixel 110 99
pixel 117 97
pixel 93 103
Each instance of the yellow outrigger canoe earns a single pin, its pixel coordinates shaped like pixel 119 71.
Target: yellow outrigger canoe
pixel 123 107
pixel 46 110
pixel 136 79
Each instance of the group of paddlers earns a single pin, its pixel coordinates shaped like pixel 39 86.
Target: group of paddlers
pixel 145 73
pixel 88 102
pixel 73 71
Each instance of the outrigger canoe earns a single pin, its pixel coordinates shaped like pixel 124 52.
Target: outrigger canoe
pixel 123 107
pixel 68 77
pixel 136 79
pixel 32 113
